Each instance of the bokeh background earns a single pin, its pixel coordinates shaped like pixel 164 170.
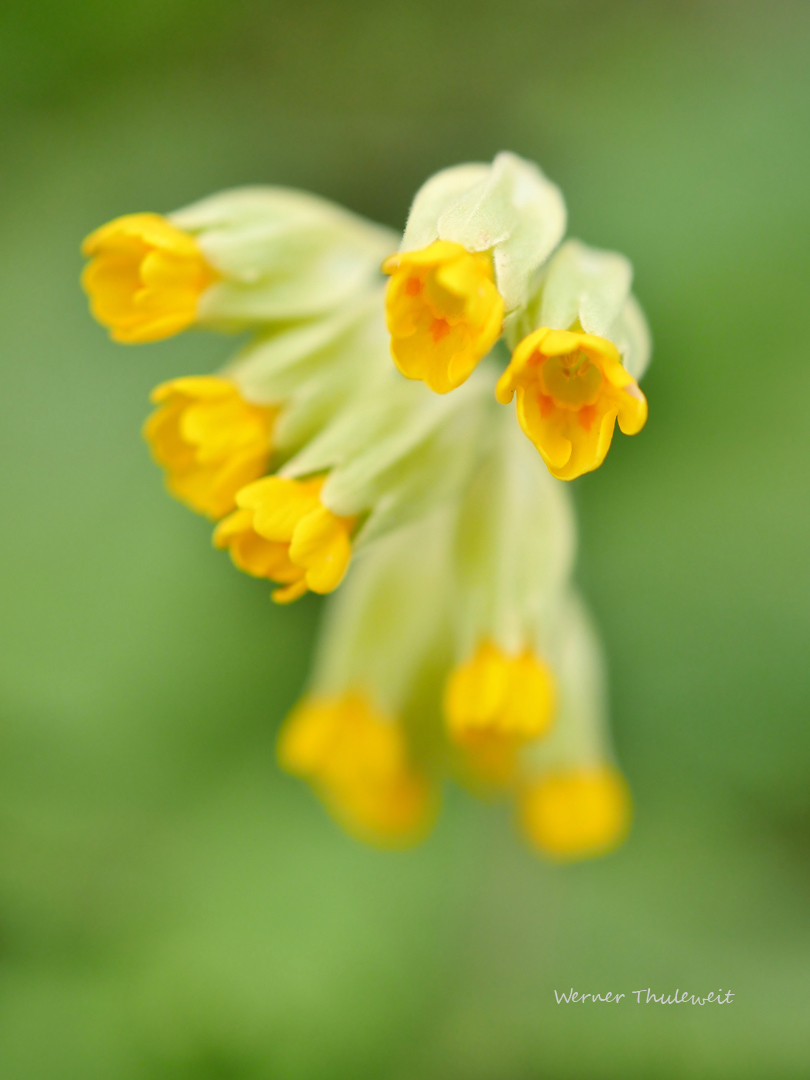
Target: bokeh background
pixel 171 905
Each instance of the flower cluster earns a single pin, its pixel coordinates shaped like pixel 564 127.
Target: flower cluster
pixel 457 644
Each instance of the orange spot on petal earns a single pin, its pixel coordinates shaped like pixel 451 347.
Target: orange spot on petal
pixel 586 417
pixel 413 286
pixel 439 329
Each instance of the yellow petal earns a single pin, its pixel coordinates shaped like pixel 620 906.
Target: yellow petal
pixel 531 699
pixel 476 690
pixel 322 546
pixel 279 504
pixel 290 592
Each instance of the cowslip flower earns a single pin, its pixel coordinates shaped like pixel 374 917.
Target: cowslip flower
pixel 210 441
pixel 571 379
pixel 145 277
pixel 242 258
pixel 494 703
pixel 283 531
pixel 454 645
pixel 444 313
pixel 475 235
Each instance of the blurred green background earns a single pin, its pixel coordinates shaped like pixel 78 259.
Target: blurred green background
pixel 173 906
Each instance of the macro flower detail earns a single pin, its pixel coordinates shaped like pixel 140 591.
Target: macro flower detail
pixel 577 813
pixel 356 757
pixel 571 388
pixel 210 441
pixel 454 644
pixel 145 277
pixel 282 531
pixel 444 313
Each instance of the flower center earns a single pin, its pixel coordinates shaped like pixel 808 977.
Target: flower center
pixel 572 380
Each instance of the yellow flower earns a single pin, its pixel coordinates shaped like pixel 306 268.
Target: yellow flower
pixel 571 388
pixel 210 441
pixel 144 278
pixel 282 531
pixel 357 759
pixel 444 312
pixel 576 813
pixel 495 703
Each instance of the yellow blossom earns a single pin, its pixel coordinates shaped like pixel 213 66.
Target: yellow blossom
pixel 210 441
pixel 282 531
pixel 571 388
pixel 357 759
pixel 145 277
pixel 576 813
pixel 444 312
pixel 494 703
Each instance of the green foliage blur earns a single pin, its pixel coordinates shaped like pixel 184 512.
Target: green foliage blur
pixel 171 905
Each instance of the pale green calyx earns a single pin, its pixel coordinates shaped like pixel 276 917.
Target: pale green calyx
pixel 509 209
pixel 281 254
pixel 580 736
pixel 380 628
pixel 585 288
pixel 312 369
pixel 515 548
pixel 398 451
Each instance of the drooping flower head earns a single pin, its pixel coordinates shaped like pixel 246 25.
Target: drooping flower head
pixel 512 562
pixel 573 802
pixel 352 735
pixel 455 643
